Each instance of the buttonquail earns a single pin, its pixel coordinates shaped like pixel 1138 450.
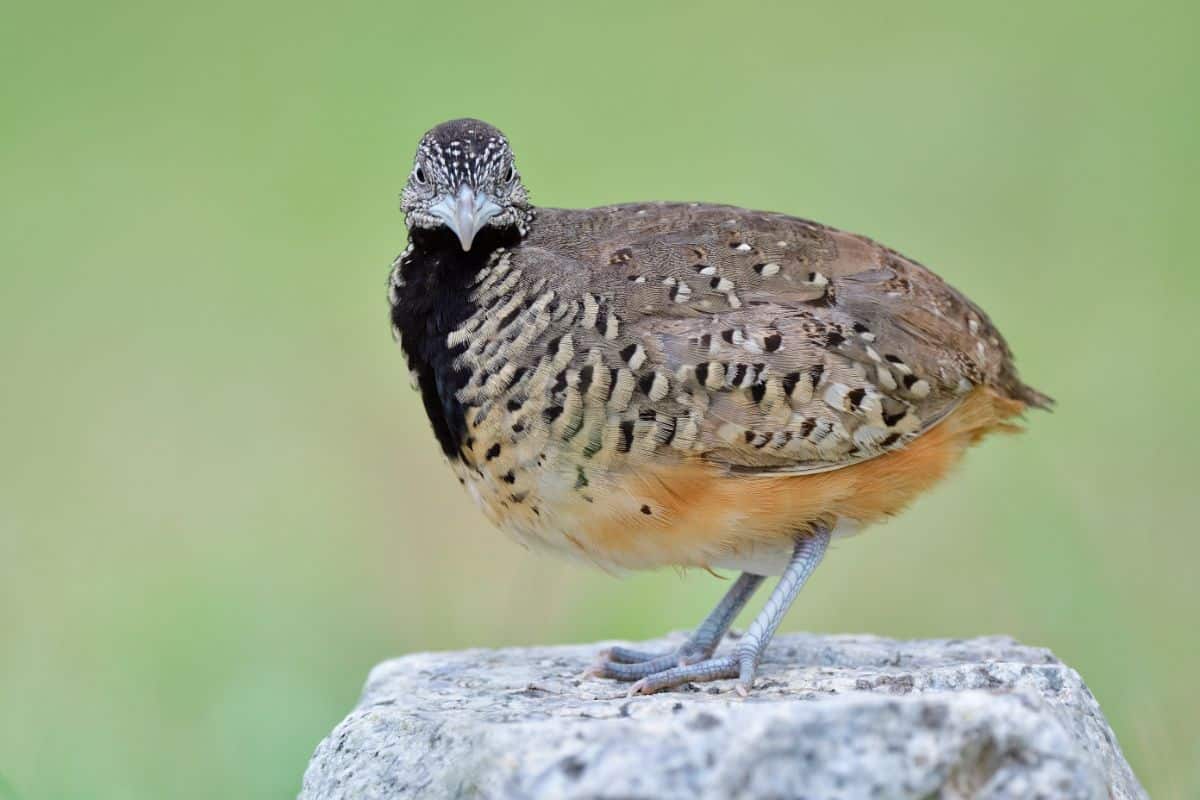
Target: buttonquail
pixel 681 383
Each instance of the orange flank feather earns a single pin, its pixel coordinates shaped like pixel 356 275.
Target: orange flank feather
pixel 698 514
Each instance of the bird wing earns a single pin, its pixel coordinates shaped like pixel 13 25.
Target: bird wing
pixel 754 340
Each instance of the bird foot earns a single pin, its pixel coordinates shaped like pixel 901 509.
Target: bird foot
pixel 654 672
pixel 624 664
pixel 712 669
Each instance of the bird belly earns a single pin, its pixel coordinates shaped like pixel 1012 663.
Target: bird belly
pixel 693 513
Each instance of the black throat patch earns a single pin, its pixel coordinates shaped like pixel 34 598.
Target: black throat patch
pixel 432 301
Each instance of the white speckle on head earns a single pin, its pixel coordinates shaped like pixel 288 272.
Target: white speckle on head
pixel 734 300
pixel 724 285
pixel 709 270
pixel 682 293
pixel 743 248
pixel 769 269
pixel 818 279
pixel 973 325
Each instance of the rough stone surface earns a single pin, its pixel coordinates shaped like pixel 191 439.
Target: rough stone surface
pixel 830 717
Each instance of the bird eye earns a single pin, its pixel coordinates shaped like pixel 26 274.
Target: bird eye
pixel 420 175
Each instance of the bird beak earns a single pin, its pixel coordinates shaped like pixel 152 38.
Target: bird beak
pixel 465 213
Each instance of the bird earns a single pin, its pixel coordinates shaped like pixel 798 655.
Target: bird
pixel 681 384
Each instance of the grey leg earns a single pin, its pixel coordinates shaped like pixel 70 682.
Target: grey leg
pixel 629 665
pixel 744 662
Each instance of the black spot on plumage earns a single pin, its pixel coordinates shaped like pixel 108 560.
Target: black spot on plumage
pixel 706 341
pixel 749 436
pixel 646 510
pixel 493 451
pixel 647 415
pixel 833 339
pixel 552 413
pixel 627 353
pixel 758 391
pixel 585 378
pixel 560 383
pixel 894 359
pixel 727 335
pixel 601 319
pixel 509 477
pixel 626 440
pixel 892 419
pixel 699 267
pixel 772 341
pixel 860 328
pixel 738 374
pixel 789 382
pixel 552 346
pixel 806 427
pixel 613 372
pixel 646 382
pixel 909 380
pixel 815 372
pixel 518 427
pixel 890 440
pixel 514 404
pixel 702 373
pixel 856 396
pixel 714 282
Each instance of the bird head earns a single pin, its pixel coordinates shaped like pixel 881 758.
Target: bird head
pixel 464 179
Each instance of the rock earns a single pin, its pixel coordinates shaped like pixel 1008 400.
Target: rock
pixel 830 717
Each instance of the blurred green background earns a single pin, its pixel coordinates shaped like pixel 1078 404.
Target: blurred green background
pixel 220 503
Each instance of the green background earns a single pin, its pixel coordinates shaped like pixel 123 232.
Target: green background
pixel 220 503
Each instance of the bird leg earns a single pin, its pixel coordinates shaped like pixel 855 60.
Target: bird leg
pixel 744 662
pixel 629 665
